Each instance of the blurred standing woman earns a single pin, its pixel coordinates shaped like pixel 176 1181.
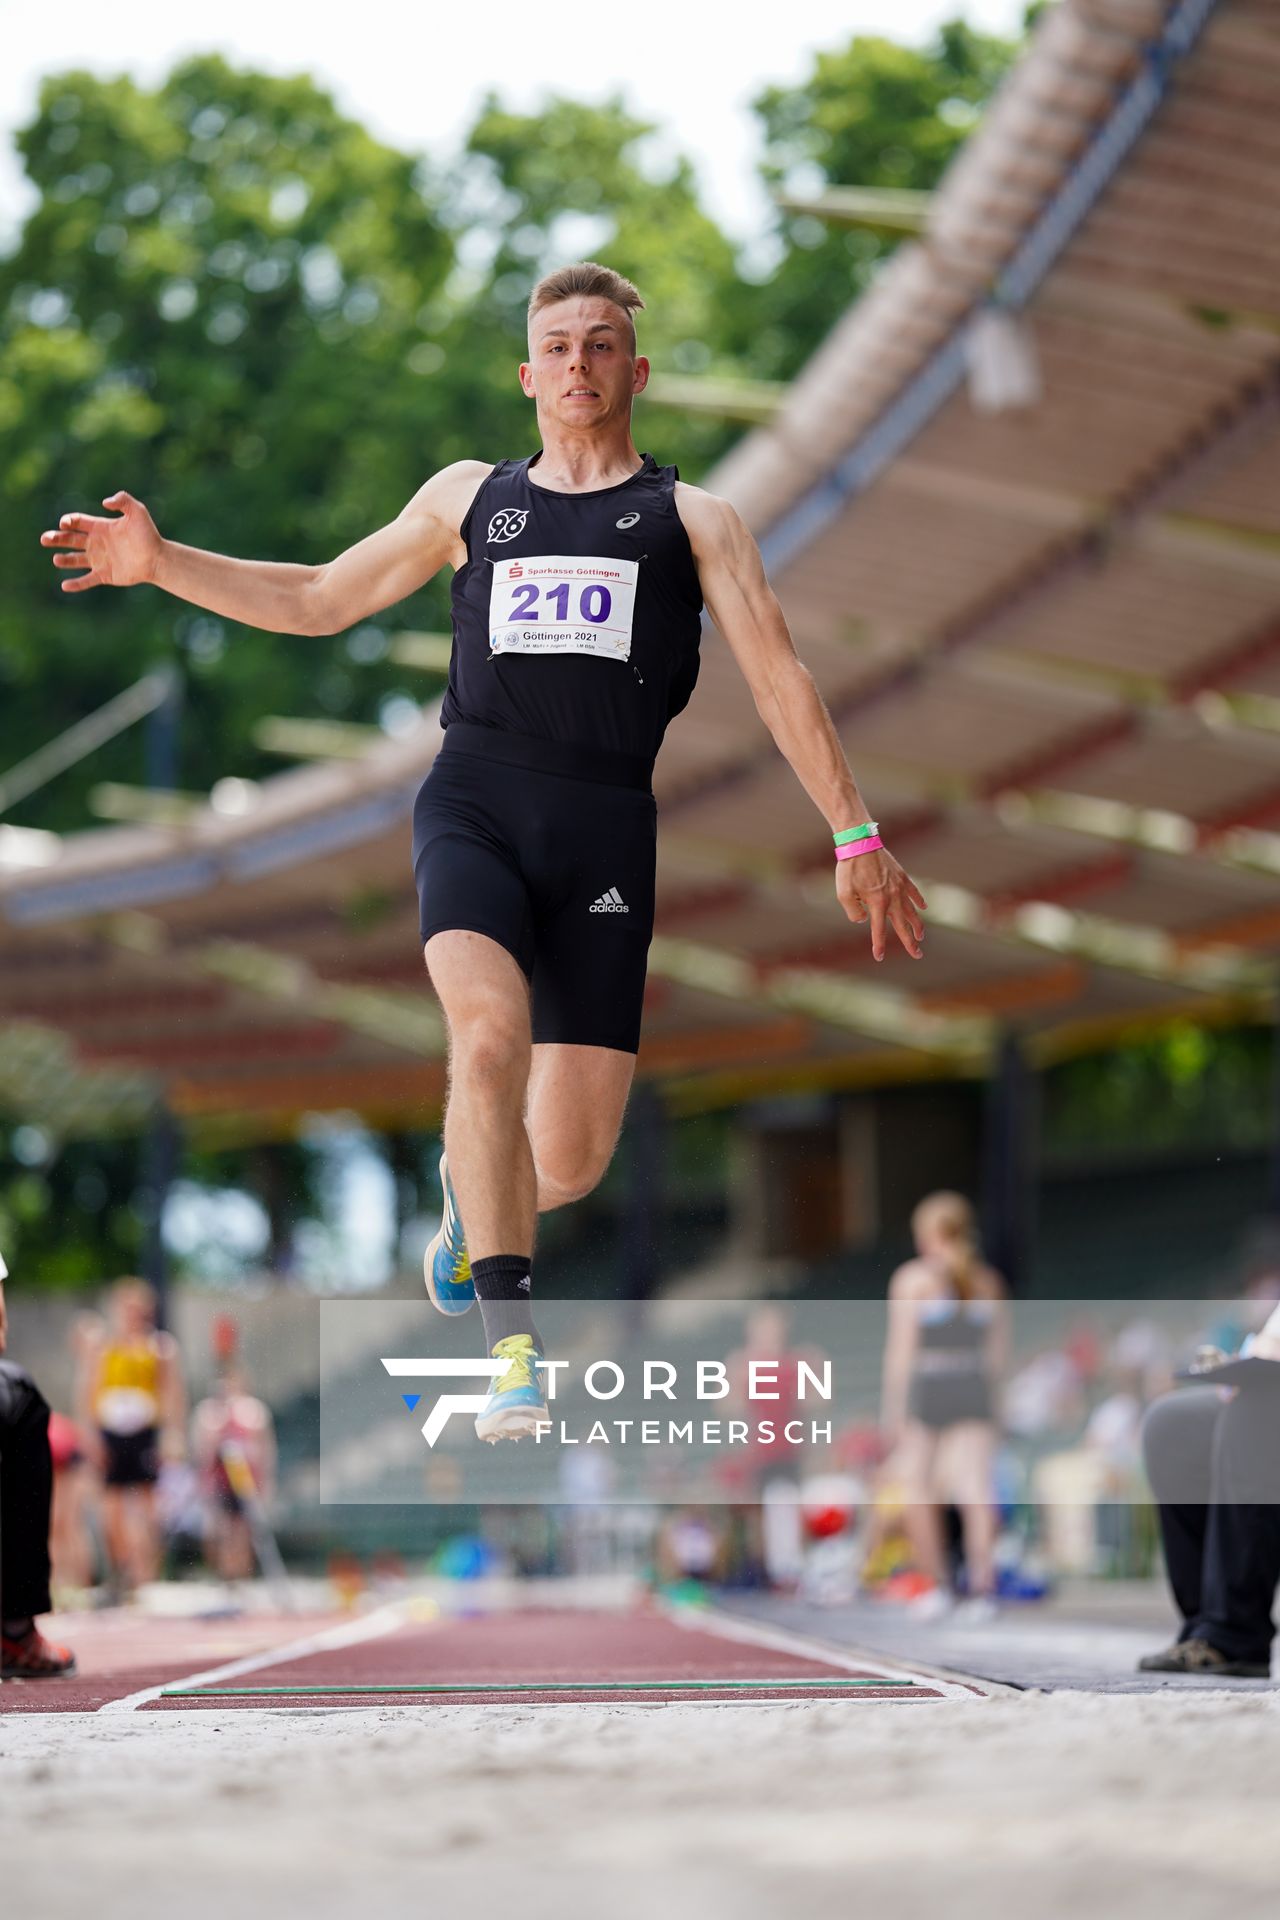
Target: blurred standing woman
pixel 132 1402
pixel 945 1349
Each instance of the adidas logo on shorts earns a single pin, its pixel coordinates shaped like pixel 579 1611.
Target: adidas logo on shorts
pixel 611 902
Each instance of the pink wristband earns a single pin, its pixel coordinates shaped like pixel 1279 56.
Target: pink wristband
pixel 853 848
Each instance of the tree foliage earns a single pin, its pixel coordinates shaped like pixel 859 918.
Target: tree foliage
pixel 221 302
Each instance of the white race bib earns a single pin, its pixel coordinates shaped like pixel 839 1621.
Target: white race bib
pixel 557 603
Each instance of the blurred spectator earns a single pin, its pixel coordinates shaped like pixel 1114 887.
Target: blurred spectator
pixel 1214 1466
pixel 946 1347
pixel 1045 1396
pixel 26 1496
pixel 586 1476
pixel 1083 1349
pixel 693 1546
pixel 1143 1352
pixel 768 1470
pixel 766 1348
pixel 70 1540
pixel 131 1403
pixel 234 1451
pixel 1114 1428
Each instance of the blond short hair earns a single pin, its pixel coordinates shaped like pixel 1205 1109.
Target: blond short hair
pixel 587 278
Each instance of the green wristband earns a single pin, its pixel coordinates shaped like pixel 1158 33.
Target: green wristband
pixel 847 834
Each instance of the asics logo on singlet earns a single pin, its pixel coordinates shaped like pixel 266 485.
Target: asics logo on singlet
pixel 506 524
pixel 611 902
pixel 627 520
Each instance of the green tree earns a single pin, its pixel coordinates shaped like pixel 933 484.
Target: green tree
pixel 873 114
pixel 223 302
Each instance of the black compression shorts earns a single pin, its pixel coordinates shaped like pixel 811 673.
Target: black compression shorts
pixel 556 866
pixel 132 1459
pixel 946 1398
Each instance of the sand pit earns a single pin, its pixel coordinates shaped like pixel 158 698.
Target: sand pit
pixel 1154 1805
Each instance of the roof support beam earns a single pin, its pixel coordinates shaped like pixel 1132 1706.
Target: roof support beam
pixel 86 736
pixel 315 739
pixel 877 209
pixel 393 1089
pixel 1030 921
pixel 742 1045
pixel 432 652
pixel 877 1013
pixel 409 1023
pixel 188 1049
pixel 752 401
pixel 40 1080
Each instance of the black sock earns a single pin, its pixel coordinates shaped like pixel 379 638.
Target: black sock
pixel 504 1286
pixel 19 1629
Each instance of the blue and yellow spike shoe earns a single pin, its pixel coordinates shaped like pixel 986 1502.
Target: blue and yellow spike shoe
pixel 446 1267
pixel 517 1402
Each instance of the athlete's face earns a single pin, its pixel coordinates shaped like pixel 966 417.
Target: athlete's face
pixel 581 369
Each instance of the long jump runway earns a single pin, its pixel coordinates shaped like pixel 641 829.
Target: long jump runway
pixel 414 1655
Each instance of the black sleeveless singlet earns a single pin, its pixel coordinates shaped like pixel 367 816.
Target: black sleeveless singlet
pixel 577 616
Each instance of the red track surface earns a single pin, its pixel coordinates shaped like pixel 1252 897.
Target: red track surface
pixel 122 1656
pixel 120 1653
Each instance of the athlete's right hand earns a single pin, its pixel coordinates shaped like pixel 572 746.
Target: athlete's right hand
pixel 874 889
pixel 117 553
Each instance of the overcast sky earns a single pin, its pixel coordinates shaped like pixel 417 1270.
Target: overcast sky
pixel 692 65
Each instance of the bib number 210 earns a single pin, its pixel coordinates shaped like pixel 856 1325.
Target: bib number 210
pixel 595 602
pixel 563 603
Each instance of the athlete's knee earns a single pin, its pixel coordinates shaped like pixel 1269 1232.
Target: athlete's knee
pixel 490 1052
pixel 565 1181
pixel 571 1165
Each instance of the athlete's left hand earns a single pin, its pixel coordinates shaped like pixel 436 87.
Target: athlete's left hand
pixel 873 887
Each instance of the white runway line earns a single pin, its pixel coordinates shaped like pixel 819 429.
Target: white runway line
pixel 783 1640
pixel 349 1634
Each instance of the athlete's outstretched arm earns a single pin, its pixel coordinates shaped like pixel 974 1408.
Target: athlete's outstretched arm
pixel 129 551
pixel 745 608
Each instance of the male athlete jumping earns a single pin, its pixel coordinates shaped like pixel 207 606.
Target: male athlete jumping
pixel 580 577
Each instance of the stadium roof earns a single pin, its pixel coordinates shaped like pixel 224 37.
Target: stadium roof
pixel 1023 511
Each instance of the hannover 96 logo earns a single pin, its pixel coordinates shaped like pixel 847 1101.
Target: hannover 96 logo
pixel 506 524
